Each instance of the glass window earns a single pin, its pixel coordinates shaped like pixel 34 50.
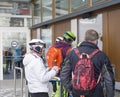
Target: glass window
pixel 46 35
pixel 29 22
pixel 5 7
pixel 61 7
pixel 4 21
pixel 21 8
pixel 78 5
pixel 15 8
pixel 37 18
pixel 46 10
pixel 95 2
pixel 17 22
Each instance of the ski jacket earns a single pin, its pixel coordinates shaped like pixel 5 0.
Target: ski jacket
pixel 37 75
pixel 101 65
pixel 56 53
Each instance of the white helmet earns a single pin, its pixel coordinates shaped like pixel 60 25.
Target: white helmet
pixel 37 45
pixel 59 39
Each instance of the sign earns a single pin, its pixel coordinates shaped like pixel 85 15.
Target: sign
pixel 14 43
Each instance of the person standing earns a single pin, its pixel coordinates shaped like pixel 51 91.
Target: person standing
pixel 9 60
pixel 57 52
pixel 17 59
pixel 102 68
pixel 36 73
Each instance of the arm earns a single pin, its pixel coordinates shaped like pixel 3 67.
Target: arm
pixel 65 74
pixel 44 74
pixel 108 76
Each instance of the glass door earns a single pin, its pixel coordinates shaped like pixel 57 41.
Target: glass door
pixel 13 47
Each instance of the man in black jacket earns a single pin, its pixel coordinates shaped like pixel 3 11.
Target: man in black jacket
pixel 101 65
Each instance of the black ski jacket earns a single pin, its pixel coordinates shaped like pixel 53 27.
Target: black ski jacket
pixel 101 65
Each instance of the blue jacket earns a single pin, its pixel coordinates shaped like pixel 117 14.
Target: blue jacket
pixel 17 55
pixel 101 65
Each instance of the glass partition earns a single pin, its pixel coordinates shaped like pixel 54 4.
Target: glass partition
pixel 36 17
pixel 78 5
pixel 61 7
pixel 46 35
pixel 46 10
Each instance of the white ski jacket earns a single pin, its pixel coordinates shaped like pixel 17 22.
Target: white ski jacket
pixel 37 74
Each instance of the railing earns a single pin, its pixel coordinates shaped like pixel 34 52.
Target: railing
pixel 15 73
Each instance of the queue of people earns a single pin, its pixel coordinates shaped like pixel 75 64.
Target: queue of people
pixel 13 57
pixel 78 79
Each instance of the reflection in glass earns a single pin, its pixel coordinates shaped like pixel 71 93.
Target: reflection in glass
pixel 21 8
pixel 61 7
pixel 46 10
pixel 78 4
pixel 36 17
pixel 15 8
pixel 94 2
pixel 12 41
pixel 46 36
pixel 17 22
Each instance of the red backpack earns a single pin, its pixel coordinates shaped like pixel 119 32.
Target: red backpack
pixel 83 78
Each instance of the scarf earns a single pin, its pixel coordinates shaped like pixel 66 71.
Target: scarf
pixel 64 46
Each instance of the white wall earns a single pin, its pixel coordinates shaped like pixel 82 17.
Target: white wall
pixel 94 23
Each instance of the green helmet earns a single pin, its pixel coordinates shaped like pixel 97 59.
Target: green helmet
pixel 69 36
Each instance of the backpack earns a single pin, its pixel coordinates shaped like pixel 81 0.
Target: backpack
pixel 83 78
pixel 54 56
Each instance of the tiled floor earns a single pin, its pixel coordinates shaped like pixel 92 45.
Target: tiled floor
pixel 9 92
pixel 7 87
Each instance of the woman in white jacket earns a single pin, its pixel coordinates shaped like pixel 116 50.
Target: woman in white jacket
pixel 37 75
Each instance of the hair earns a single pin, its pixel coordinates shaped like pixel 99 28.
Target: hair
pixel 91 35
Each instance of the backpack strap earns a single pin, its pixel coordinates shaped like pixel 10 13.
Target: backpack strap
pixel 94 52
pixel 77 52
pixel 99 77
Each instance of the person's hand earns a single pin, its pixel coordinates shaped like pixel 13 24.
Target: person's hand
pixel 56 68
pixel 48 69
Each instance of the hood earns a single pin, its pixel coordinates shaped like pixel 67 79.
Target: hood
pixel 27 59
pixel 65 46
